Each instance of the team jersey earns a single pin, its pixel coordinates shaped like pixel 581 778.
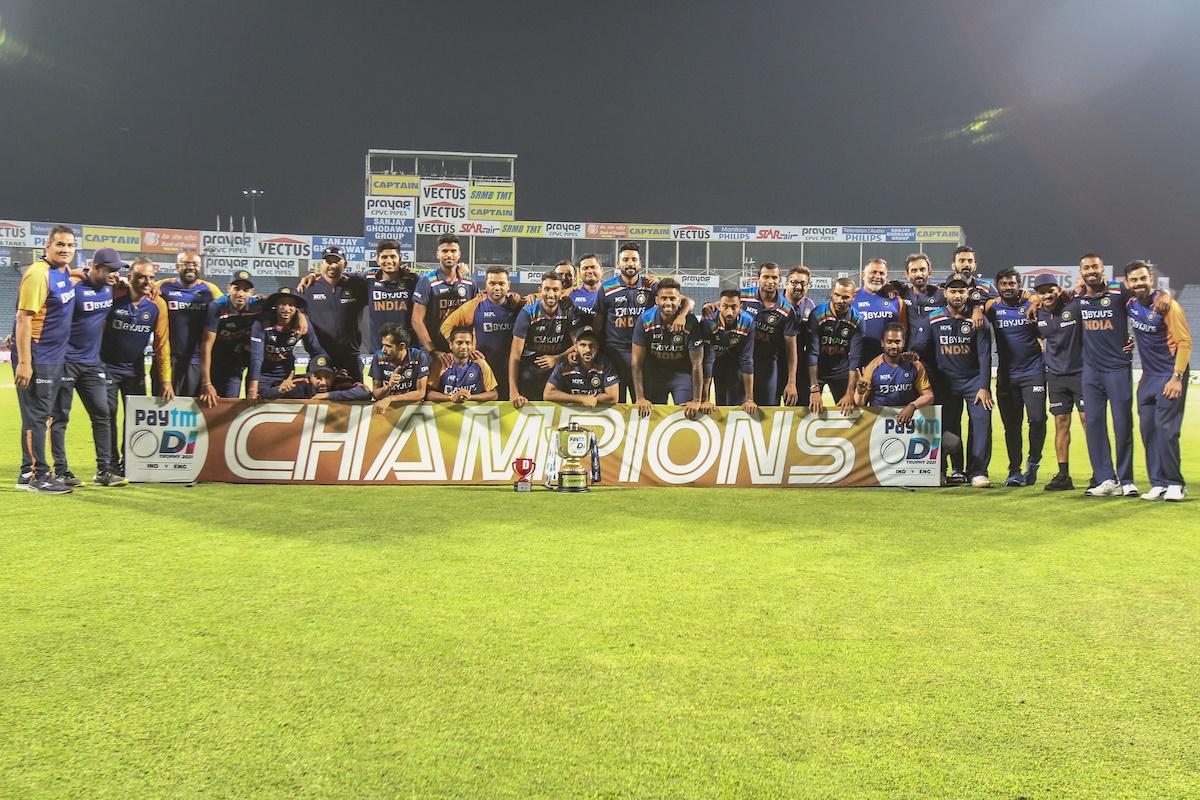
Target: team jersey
pixel 545 333
pixel 920 305
pixel 875 311
pixel 585 301
pixel 440 297
pixel 894 385
pixel 979 292
pixel 390 302
pixel 49 295
pixel 574 379
pixel 667 350
pixel 232 328
pixel 621 306
pixel 334 310
pixel 302 389
pixel 730 343
pixel 1163 342
pixel 802 309
pixel 414 367
pixel 92 305
pixel 128 328
pixel 836 342
pixel 1062 336
pixel 771 323
pixel 474 376
pixel 1020 354
pixel 963 352
pixel 273 346
pixel 492 324
pixel 186 309
pixel 1105 328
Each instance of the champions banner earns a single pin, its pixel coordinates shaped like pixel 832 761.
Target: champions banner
pixel 241 441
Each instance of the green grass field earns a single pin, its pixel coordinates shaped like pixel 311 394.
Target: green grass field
pixel 233 641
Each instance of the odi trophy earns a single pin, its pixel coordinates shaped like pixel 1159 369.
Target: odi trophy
pixel 570 444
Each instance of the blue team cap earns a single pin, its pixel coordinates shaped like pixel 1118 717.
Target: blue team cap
pixel 1044 279
pixel 956 280
pixel 108 258
pixel 296 300
pixel 320 364
pixel 242 276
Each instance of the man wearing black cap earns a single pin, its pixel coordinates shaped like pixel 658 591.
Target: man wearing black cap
pixel 963 354
pixel 225 351
pixel 273 339
pixel 336 300
pixel 321 382
pixel 84 373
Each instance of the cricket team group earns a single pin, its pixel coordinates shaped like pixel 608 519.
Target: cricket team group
pixel 906 343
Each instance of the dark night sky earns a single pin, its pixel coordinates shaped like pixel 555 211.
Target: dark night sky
pixel 158 113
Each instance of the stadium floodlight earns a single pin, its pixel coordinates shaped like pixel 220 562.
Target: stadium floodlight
pixel 253 194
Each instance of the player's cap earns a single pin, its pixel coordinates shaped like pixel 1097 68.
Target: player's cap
pixel 1044 279
pixel 320 364
pixel 296 300
pixel 956 280
pixel 587 333
pixel 335 251
pixel 108 258
pixel 242 276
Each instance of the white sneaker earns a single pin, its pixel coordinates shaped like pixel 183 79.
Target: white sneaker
pixel 1155 494
pixel 1175 493
pixel 1130 490
pixel 1104 489
pixel 981 482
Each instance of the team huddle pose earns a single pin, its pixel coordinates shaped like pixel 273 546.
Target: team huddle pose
pixel 904 344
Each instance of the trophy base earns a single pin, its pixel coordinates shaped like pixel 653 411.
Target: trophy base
pixel 523 486
pixel 572 482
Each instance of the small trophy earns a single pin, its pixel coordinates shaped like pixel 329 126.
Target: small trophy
pixel 571 443
pixel 524 468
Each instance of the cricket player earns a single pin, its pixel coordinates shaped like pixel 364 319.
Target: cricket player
pixel 667 362
pixel 464 379
pixel 273 339
pixel 225 351
pixel 491 316
pixel 588 381
pixel 187 297
pixel 729 333
pixel 437 294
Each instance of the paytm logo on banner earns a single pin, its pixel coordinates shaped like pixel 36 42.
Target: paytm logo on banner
pixel 283 246
pixel 227 243
pixel 15 234
pixel 166 441
pixel 391 207
pixel 905 454
pixel 733 233
pixel 691 232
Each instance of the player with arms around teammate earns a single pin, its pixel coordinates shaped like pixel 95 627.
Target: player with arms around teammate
pixel 833 352
pixel 963 354
pixel 83 372
pixel 1021 376
pixel 588 381
pixel 876 304
pixel 775 329
pixel 334 304
pixel 187 297
pixel 1164 342
pixel 491 316
pixel 667 362
pixel 543 334
pixel 1058 326
pixel 437 295
pixel 729 353
pixel 225 351
pixel 464 379
pixel 273 339
pixel 45 307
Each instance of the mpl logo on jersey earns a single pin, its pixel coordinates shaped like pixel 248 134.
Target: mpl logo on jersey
pixel 733 233
pixel 166 441
pixel 227 243
pixel 902 451
pixel 777 234
pixel 564 230
pixel 692 233
pixel 277 245
pixel 125 240
pixel 15 234
pixel 391 207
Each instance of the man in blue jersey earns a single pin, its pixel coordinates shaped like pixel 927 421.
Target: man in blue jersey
pixel 1059 327
pixel 399 371
pixel 187 297
pixel 137 318
pixel 321 382
pixel 588 381
pixel 543 334
pixel 390 291
pixel 335 301
pixel 799 278
pixel 667 362
pixel 274 335
pixel 437 294
pixel 876 304
pixel 586 294
pixel 834 347
pixel 963 354
pixel 45 308
pixel 776 325
pixel 729 353
pixel 491 316
pixel 979 290
pixel 83 372
pixel 1020 377
pixel 892 381
pixel 1164 343
pixel 225 351
pixel 464 379
pixel 623 299
pixel 923 299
